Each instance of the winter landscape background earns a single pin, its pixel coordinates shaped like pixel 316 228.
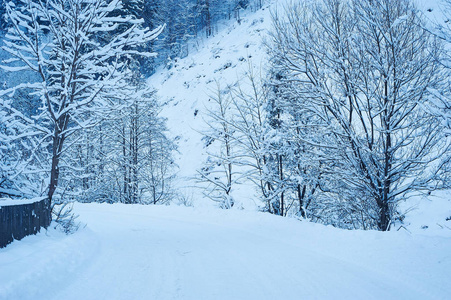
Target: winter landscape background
pixel 233 150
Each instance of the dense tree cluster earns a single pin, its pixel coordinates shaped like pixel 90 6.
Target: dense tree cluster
pixel 185 20
pixel 61 142
pixel 79 122
pixel 350 126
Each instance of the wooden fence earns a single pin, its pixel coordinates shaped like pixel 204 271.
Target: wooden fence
pixel 18 221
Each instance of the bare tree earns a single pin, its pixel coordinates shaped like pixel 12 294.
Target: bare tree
pixel 218 172
pixel 248 98
pixel 364 70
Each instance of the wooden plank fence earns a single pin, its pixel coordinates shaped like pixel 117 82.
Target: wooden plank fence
pixel 18 221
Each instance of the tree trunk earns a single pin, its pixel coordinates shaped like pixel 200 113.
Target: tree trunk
pixel 281 182
pixel 209 30
pixel 301 196
pixel 58 141
pixel 385 216
pixel 124 155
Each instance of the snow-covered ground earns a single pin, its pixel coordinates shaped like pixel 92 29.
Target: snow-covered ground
pixel 170 252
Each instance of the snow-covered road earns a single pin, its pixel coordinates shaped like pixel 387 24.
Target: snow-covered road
pixel 136 252
pixel 153 257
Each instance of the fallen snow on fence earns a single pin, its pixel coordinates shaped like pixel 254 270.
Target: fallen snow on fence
pixel 11 202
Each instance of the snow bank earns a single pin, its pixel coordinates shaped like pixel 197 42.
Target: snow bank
pixel 429 215
pixel 37 266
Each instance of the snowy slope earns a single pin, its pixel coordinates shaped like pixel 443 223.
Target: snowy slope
pixel 187 87
pixel 170 252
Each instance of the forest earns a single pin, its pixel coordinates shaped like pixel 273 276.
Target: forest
pixel 350 118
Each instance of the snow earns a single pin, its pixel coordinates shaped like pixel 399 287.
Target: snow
pixel 428 215
pixel 11 202
pixel 171 252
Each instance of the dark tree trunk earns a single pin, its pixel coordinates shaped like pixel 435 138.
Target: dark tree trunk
pixel 58 140
pixel 282 208
pixel 384 208
pixel 301 196
pixel 209 30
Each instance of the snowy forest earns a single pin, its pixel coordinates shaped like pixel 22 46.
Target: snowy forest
pixel 234 149
pixel 87 124
pixel 349 118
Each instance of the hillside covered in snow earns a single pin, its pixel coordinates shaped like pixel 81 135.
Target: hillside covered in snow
pixel 187 86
